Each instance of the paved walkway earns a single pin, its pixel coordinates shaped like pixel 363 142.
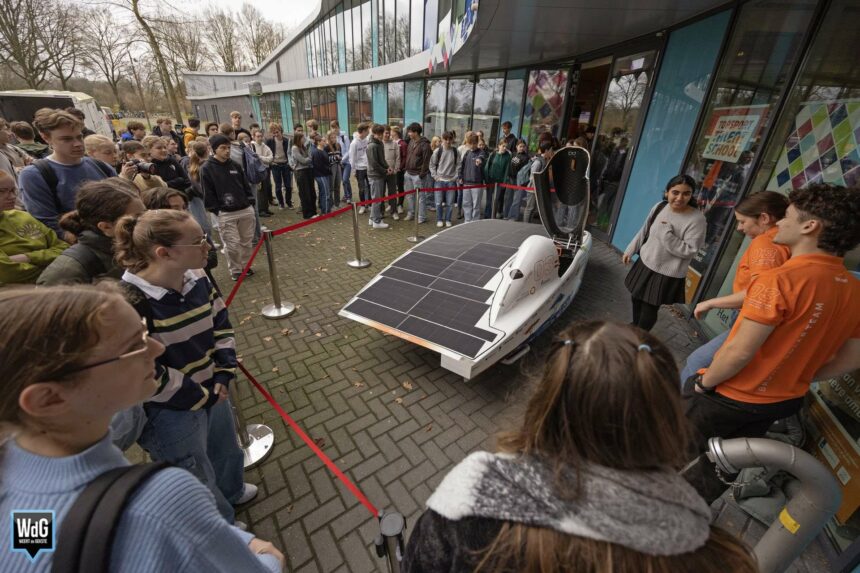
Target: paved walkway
pixel 380 407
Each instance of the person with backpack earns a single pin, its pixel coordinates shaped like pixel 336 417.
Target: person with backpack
pixel 471 172
pixel 538 163
pixel 26 245
pixel 164 128
pixel 377 170
pixel 673 233
pixel 497 172
pixel 322 172
pixel 229 196
pixel 518 174
pixel 443 169
pixel 49 186
pixel 83 357
pixel 189 420
pixel 98 207
pixel 27 143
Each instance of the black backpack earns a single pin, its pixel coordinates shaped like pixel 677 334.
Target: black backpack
pixel 47 172
pixel 87 532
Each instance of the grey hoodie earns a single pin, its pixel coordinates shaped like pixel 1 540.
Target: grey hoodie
pixel 444 164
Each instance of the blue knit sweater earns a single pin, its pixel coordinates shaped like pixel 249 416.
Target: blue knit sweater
pixel 170 523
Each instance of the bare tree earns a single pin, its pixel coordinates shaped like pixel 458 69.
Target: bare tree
pixel 224 40
pixel 626 93
pixel 63 41
pixel 27 41
pixel 104 51
pixel 260 35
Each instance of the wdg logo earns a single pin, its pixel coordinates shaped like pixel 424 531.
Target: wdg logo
pixel 33 531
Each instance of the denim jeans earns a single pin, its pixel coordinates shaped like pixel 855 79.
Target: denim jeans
pixel 391 189
pixel 198 211
pixel 472 203
pixel 334 190
pixel 415 182
pixel 363 184
pixel 703 356
pixel 347 184
pixel 204 443
pixel 447 197
pixel 324 187
pixel 488 206
pixel 377 190
pixel 283 176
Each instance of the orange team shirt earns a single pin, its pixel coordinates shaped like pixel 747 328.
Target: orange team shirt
pixel 814 303
pixel 762 254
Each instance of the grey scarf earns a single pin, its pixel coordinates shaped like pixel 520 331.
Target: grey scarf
pixel 657 513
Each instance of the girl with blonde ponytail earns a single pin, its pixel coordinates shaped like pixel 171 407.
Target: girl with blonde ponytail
pixel 198 153
pixel 588 482
pixel 189 420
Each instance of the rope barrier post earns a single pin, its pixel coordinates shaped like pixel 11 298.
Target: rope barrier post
pixel 416 238
pixel 256 440
pixel 389 542
pixel 278 309
pixel 357 262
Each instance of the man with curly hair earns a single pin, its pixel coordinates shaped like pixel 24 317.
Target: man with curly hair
pixel 799 322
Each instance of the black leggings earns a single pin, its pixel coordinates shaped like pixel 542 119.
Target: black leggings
pixel 644 314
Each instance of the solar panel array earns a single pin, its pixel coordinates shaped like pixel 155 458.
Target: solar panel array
pixel 436 291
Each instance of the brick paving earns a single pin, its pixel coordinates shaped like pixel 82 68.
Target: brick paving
pixel 380 407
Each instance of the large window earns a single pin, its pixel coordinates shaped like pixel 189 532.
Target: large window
pixel 270 110
pixel 431 16
pixel 764 47
pixel 488 106
pixel 434 107
pixel 390 37
pixel 367 35
pixel 413 108
pixel 416 27
pixel 354 104
pixel 512 104
pixel 544 104
pixel 401 31
pixel 459 110
pixel 395 104
pixel 347 36
pixel 366 107
pixel 357 51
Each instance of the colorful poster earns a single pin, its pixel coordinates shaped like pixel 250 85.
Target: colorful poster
pixel 823 147
pixel 730 137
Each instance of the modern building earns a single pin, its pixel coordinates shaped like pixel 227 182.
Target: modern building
pixel 743 96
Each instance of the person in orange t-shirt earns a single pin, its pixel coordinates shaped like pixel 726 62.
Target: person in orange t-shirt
pixel 757 216
pixel 799 322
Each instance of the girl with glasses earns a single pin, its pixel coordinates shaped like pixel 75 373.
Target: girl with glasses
pixel 189 421
pixel 83 357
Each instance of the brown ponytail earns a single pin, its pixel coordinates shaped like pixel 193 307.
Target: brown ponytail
pixel 97 202
pixel 196 158
pixel 764 202
pixel 135 238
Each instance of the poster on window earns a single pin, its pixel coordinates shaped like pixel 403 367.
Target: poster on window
pixel 730 137
pixel 834 420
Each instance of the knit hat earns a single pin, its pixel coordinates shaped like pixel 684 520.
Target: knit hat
pixel 218 140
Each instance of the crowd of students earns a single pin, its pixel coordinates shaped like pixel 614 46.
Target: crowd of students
pixel 149 357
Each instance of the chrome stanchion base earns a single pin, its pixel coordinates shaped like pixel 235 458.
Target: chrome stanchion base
pixel 273 312
pixel 415 239
pixel 359 263
pixel 262 440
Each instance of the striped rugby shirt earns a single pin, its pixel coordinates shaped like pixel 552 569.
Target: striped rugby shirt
pixel 200 350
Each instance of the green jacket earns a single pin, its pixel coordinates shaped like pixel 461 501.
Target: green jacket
pixel 67 270
pixel 21 233
pixel 496 168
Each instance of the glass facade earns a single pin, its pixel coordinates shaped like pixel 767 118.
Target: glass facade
pixel 763 48
pixel 435 94
pixel 395 104
pixel 488 106
pixel 512 102
pixel 544 104
pixel 458 117
pixel 690 57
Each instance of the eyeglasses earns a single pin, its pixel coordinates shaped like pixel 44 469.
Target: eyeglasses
pixel 198 244
pixel 144 336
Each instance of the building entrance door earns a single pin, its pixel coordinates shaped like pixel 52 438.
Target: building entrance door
pixel 617 133
pixel 588 87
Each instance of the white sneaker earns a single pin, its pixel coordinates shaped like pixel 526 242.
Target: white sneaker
pixel 362 211
pixel 370 222
pixel 447 223
pixel 388 208
pixel 400 209
pixel 440 224
pixel 380 225
pixel 396 217
pixel 409 216
pixel 249 493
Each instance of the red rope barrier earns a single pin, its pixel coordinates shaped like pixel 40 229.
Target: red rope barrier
pixel 244 274
pixel 307 222
pixel 311 444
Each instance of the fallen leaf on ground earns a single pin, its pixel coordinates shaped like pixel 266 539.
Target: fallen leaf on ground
pixel 358 384
pixel 286 331
pixel 429 428
pixel 267 338
pixel 320 442
pixel 407 384
pixel 276 369
pixel 398 400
